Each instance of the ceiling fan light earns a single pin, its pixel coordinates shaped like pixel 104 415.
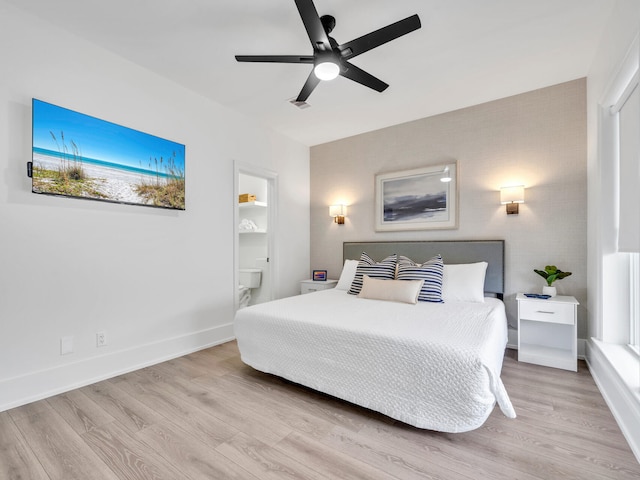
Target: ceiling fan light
pixel 326 70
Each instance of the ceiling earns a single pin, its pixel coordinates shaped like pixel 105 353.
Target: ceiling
pixel 467 52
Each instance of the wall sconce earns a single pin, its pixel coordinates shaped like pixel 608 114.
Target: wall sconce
pixel 512 197
pixel 338 212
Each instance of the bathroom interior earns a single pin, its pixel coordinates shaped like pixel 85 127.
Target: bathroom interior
pixel 253 241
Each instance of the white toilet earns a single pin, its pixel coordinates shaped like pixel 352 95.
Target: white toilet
pixel 249 278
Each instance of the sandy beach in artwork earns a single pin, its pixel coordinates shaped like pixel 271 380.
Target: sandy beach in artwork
pixel 115 184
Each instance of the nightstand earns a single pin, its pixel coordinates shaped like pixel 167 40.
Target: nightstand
pixel 308 286
pixel 548 331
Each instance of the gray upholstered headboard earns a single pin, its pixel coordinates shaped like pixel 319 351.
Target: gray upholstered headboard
pixel 456 251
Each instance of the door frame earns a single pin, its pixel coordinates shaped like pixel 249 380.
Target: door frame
pixel 272 208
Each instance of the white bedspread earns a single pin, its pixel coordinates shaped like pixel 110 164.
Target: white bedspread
pixel 434 366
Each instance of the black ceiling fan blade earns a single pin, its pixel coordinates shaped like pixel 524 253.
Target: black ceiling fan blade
pixel 275 58
pixel 313 25
pixel 311 83
pixel 379 37
pixel 356 74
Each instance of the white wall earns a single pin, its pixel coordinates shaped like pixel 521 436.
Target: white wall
pixel 537 139
pixel 159 282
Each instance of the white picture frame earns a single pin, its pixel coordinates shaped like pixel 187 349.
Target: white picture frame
pixel 417 199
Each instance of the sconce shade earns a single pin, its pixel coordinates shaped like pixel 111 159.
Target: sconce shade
pixel 511 197
pixel 512 194
pixel 335 210
pixel 338 212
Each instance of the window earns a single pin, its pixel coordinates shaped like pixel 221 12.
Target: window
pixel 634 310
pixel 620 196
pixel 627 111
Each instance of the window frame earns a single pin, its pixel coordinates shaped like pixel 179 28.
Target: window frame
pixel 620 285
pixel 634 300
pixel 632 259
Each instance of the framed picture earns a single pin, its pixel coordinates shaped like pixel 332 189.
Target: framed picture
pixel 319 275
pixel 420 199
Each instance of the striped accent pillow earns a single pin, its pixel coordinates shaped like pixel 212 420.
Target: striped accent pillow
pixel 386 269
pixel 431 272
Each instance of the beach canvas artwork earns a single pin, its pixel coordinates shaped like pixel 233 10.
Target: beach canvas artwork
pixel 76 155
pixel 416 199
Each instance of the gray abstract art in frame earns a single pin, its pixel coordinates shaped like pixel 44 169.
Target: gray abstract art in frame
pixel 417 199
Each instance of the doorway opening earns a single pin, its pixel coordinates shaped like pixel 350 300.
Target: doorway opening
pixel 254 235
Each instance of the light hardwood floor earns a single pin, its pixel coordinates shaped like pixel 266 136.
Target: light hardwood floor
pixel 208 416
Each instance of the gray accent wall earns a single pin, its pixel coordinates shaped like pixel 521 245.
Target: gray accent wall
pixel 537 138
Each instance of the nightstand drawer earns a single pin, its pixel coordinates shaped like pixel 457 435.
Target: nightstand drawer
pixel 310 286
pixel 551 312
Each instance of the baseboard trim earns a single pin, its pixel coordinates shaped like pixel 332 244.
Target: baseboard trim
pixel 35 386
pixel 624 405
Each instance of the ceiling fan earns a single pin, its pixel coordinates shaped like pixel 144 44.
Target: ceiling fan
pixel 329 58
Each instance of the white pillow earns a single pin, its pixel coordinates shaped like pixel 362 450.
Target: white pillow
pixel 347 275
pixel 464 282
pixel 405 291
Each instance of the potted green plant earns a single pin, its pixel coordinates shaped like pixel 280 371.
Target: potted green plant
pixel 551 273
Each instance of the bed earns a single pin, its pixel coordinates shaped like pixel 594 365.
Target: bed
pixel 433 365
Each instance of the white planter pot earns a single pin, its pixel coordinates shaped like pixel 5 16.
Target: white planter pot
pixel 546 290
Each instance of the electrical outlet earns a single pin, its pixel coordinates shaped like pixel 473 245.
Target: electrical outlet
pixel 101 339
pixel 66 345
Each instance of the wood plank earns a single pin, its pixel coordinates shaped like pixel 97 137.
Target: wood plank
pixel 257 425
pixel 62 453
pixel 265 462
pixel 196 459
pixel 183 366
pixel 218 364
pixel 590 436
pixel 127 456
pixel 570 419
pixel 17 460
pixel 128 411
pixel 220 352
pixel 206 427
pixel 322 405
pixel 29 409
pixel 444 450
pixel 285 411
pixel 515 457
pixel 580 379
pixel 79 411
pixel 562 395
pixel 330 462
pixel 601 461
pixel 389 459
